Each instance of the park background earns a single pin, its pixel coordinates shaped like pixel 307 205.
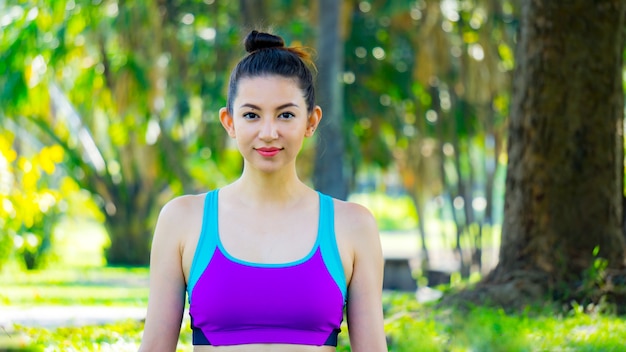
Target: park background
pixel 482 134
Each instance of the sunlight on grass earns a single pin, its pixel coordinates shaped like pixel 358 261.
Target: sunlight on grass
pixel 66 286
pixel 123 336
pixel 73 295
pixel 410 326
pixel 415 327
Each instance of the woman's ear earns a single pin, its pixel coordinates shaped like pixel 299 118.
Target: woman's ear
pixel 227 121
pixel 314 120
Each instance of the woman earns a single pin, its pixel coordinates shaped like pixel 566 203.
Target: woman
pixel 268 263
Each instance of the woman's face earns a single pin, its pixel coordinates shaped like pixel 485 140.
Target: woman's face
pixel 269 121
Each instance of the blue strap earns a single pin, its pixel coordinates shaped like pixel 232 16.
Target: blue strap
pixel 328 243
pixel 207 242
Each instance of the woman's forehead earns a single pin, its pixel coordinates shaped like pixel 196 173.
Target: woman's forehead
pixel 268 79
pixel 268 91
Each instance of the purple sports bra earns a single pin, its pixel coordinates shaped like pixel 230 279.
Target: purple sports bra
pixel 234 302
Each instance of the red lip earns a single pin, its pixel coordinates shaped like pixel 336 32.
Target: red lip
pixel 268 151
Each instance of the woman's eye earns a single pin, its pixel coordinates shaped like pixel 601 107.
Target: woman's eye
pixel 286 115
pixel 250 115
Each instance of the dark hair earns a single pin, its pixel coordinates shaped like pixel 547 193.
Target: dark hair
pixel 267 55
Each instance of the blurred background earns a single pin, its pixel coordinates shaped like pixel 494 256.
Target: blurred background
pixel 109 109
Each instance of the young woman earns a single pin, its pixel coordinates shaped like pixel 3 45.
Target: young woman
pixel 268 263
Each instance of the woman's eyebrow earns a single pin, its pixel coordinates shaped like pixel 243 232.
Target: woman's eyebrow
pixel 251 106
pixel 284 106
pixel 288 105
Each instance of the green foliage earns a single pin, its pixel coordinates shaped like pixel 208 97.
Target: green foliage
pixel 31 199
pixel 131 94
pixel 139 86
pixel 595 275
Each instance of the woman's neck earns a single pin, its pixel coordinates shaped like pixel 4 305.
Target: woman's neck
pixel 280 188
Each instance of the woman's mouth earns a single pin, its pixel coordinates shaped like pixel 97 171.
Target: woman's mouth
pixel 268 152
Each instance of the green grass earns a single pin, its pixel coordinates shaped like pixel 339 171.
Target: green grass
pixel 410 325
pixel 119 337
pixel 75 286
pixel 418 328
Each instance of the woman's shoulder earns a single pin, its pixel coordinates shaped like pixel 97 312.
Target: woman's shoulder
pixel 182 211
pixel 183 204
pixel 356 230
pixel 354 218
pixel 186 201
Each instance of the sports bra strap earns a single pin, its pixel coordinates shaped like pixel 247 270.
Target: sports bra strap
pixel 206 243
pixel 328 243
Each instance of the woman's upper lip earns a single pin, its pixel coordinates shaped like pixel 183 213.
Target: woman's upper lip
pixel 268 149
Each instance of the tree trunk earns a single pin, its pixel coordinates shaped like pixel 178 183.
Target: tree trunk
pixel 130 240
pixel 563 187
pixel 129 226
pixel 254 14
pixel 564 177
pixel 328 175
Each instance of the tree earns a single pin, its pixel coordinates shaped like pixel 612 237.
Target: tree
pixel 121 88
pixel 329 176
pixel 428 100
pixel 563 204
pixel 254 14
pixel 130 91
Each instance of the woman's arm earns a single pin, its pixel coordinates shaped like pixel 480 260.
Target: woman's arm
pixel 166 301
pixel 365 314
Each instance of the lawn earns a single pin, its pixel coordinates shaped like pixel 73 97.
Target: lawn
pixel 411 326
pixel 87 286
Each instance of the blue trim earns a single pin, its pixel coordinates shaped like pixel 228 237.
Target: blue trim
pixel 206 242
pixel 328 244
pixel 267 265
pixel 209 240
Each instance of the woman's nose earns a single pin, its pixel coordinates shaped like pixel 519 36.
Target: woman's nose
pixel 268 130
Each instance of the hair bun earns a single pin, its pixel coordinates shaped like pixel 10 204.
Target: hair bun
pixel 256 40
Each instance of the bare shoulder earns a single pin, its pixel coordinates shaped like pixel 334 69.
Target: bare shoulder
pixel 181 216
pixel 183 205
pixel 355 221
